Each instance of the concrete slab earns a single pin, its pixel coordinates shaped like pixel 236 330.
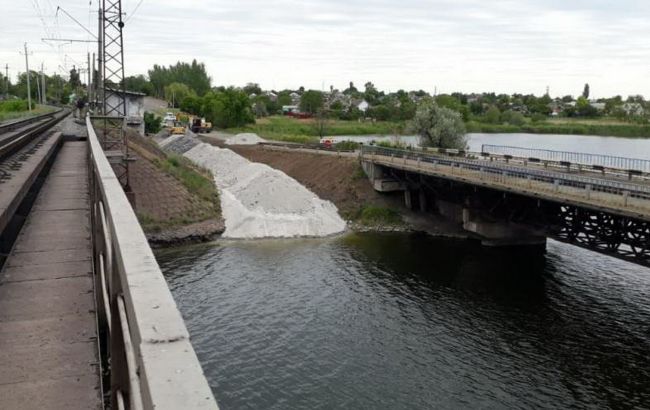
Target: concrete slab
pixel 38 395
pixel 41 272
pixel 48 347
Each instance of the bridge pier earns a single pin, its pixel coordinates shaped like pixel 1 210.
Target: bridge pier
pixel 500 233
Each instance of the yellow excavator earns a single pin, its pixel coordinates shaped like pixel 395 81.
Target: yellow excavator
pixel 177 129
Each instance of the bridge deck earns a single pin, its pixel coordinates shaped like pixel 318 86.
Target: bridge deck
pixel 48 347
pixel 470 173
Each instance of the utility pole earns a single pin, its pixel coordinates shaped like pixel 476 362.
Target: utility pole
pixel 29 88
pixel 43 95
pixel 6 81
pixel 89 86
pixel 38 88
pixel 100 66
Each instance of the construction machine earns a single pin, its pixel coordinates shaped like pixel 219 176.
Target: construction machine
pixel 199 125
pixel 177 129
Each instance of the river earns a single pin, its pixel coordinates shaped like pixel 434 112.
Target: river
pixel 617 146
pixel 407 321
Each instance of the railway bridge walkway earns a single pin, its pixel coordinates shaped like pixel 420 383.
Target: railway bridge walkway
pixel 86 318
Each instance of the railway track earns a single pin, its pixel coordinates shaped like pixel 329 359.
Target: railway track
pixel 27 150
pixel 17 134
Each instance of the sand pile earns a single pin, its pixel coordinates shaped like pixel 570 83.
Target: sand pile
pixel 259 201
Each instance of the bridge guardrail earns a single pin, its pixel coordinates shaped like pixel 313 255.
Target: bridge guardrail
pixel 504 171
pixel 578 158
pixel 142 333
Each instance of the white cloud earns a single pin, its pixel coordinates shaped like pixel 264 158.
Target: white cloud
pixel 464 45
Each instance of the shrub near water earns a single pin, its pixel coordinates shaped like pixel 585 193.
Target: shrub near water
pixel 377 215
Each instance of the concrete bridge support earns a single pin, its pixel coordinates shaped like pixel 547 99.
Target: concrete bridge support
pixel 492 231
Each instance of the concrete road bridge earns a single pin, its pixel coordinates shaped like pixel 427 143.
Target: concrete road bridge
pixel 510 196
pixel 86 318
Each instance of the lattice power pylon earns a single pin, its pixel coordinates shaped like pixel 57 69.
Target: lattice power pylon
pixel 115 110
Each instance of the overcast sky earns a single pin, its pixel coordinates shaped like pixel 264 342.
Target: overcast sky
pixel 454 45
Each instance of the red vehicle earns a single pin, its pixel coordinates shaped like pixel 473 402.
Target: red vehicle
pixel 300 115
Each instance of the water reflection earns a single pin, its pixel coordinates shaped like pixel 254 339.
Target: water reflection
pixel 408 321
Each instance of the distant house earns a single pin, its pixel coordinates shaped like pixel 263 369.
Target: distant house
pixel 295 98
pixel 271 95
pixel 286 109
pixel 600 106
pixel 363 106
pixel 633 108
pixel 134 107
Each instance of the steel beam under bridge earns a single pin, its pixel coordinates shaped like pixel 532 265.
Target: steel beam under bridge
pixel 602 214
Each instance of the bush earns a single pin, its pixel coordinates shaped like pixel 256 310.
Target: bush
pixel 374 215
pixel 14 106
pixel 347 146
pixel 152 123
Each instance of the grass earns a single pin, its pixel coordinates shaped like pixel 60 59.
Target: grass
pixel 602 127
pixel 372 215
pixel 15 115
pixel 196 181
pixel 282 128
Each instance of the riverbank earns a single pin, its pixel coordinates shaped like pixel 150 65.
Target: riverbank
pixel 176 202
pixel 289 129
pixel 340 179
pixel 596 128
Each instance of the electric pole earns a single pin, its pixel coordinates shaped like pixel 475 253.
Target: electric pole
pixel 6 81
pixel 43 97
pixel 29 89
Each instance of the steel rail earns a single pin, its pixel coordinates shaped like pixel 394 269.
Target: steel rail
pixel 12 125
pixel 11 142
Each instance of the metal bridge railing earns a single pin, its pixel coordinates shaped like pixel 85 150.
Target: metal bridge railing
pixel 144 342
pixel 578 158
pixel 504 173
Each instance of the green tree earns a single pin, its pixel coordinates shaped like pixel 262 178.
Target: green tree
pixel 74 81
pixel 192 104
pixel 253 88
pixel 192 74
pixel 227 109
pixel 513 118
pixel 138 83
pixel 585 91
pixel 284 98
pixel 584 108
pixel 175 93
pixel 493 115
pixel 152 123
pixel 311 101
pixel 439 127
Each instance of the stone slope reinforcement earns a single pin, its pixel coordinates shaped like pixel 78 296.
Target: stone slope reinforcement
pixel 258 201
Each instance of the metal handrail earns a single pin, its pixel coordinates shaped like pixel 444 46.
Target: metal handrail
pixel 580 158
pixel 152 362
pixel 610 186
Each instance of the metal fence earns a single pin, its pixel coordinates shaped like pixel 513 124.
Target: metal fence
pixel 145 345
pixel 607 161
pixel 501 172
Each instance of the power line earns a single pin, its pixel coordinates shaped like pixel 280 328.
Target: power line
pixel 133 12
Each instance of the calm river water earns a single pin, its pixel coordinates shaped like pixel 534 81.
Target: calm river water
pixel 405 321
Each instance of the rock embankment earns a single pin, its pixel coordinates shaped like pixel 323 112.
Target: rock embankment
pixel 258 201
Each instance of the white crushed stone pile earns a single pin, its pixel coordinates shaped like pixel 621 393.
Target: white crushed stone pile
pixel 261 202
pixel 179 144
pixel 244 139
